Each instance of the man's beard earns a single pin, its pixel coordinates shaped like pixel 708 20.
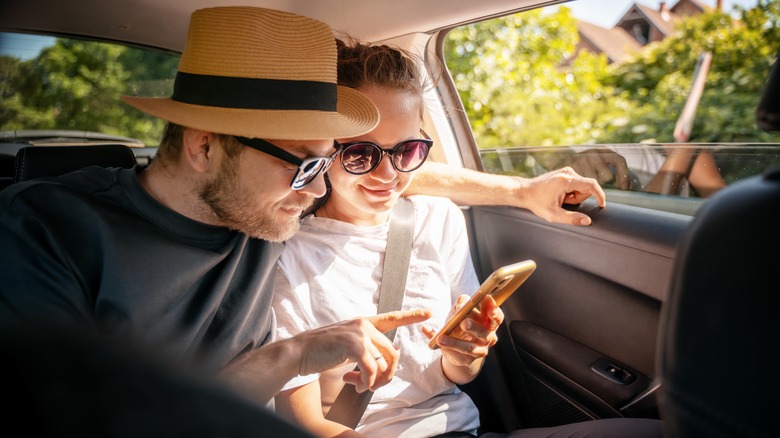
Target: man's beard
pixel 235 208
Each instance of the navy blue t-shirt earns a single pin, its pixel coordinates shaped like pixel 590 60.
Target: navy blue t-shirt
pixel 93 248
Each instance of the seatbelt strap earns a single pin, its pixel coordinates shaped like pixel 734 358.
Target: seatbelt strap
pixel 349 405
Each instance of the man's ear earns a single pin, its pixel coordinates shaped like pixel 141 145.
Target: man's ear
pixel 197 149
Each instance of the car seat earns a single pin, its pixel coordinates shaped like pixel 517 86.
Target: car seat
pixel 39 161
pixel 768 110
pixel 719 328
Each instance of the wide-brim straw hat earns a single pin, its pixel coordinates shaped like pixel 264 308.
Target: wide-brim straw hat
pixel 261 73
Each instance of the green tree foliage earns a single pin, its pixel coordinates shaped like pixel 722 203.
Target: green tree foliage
pixel 522 85
pixel 659 78
pixel 10 73
pixel 76 85
pixel 515 84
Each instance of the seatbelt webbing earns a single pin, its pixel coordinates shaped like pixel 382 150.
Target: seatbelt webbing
pixel 349 405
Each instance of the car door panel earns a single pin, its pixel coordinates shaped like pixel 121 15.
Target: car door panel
pixel 587 318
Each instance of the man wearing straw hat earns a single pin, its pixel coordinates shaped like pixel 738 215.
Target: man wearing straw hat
pixel 181 255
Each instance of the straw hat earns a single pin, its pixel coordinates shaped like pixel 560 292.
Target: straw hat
pixel 261 73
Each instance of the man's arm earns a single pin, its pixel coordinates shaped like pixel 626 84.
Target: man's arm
pixel 543 195
pixel 260 374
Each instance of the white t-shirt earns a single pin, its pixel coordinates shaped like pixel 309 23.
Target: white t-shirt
pixel 331 271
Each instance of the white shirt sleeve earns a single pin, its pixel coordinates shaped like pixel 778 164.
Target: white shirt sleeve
pixel 289 320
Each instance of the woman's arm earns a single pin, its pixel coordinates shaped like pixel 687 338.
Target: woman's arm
pixel 303 406
pixel 543 195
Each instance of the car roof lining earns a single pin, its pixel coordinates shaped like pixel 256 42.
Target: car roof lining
pixel 163 24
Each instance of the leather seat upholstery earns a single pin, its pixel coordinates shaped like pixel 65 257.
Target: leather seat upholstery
pixel 39 161
pixel 721 323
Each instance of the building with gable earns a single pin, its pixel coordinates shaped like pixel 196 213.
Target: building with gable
pixel 639 26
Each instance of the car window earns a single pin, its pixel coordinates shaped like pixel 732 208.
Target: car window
pixel 75 85
pixel 671 91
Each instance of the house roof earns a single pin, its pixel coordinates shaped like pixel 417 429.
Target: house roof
pixel 662 20
pixel 698 4
pixel 616 43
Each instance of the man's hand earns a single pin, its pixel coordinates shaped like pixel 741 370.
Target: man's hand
pixel 358 340
pixel 261 373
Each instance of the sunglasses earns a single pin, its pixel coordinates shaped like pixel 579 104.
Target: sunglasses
pixel 308 168
pixel 361 157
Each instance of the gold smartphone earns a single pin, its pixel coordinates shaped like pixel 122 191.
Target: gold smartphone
pixel 502 283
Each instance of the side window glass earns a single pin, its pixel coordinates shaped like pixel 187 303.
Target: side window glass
pixel 659 105
pixel 68 84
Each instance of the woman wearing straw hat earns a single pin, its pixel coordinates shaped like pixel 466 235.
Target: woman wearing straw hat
pixel 252 119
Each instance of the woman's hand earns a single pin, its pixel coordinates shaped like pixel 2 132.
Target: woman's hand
pixel 464 350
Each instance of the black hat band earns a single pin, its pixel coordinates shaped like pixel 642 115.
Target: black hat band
pixel 251 93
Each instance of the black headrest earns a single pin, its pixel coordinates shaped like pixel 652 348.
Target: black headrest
pixel 768 111
pixel 39 161
pixel 718 353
